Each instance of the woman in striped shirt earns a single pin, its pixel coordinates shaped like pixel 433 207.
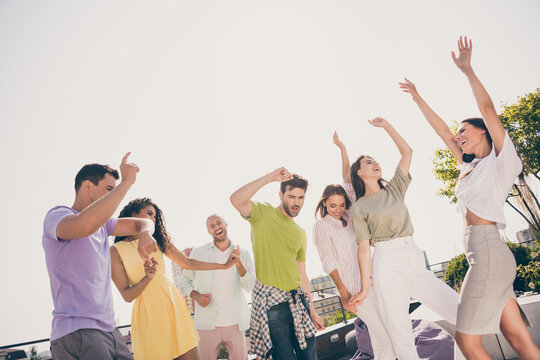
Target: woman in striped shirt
pixel 335 240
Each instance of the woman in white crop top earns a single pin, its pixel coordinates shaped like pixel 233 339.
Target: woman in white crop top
pixel 489 166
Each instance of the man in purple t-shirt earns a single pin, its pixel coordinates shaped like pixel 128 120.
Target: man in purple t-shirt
pixel 75 240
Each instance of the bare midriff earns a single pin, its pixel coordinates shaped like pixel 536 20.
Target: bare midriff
pixel 473 219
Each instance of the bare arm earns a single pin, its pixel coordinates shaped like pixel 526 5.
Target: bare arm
pixel 241 198
pixel 191 264
pixel 364 260
pixel 402 146
pixel 90 219
pixel 483 100
pixel 436 122
pixel 119 277
pixel 317 321
pixel 343 292
pixel 345 163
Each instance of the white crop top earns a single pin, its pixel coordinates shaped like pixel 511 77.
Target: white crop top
pixel 485 188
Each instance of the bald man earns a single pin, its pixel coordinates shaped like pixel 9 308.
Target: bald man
pixel 221 310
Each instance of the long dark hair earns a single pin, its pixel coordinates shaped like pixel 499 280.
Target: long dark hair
pixel 330 190
pixel 478 123
pixel 161 235
pixel 357 182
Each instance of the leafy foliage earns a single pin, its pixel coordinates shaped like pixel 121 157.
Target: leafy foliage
pixel 522 121
pixel 337 317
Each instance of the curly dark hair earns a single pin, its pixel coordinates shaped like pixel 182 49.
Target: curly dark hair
pixel 161 235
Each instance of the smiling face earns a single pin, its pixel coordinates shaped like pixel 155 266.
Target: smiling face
pixel 369 169
pixel 335 206
pixel 217 227
pixel 469 137
pixel 292 200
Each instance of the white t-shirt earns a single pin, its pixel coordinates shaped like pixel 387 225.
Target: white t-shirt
pixel 483 184
pixel 224 291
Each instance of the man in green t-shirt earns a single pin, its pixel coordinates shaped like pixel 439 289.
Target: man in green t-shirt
pixel 279 248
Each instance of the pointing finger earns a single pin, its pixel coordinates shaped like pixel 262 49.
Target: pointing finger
pixel 124 159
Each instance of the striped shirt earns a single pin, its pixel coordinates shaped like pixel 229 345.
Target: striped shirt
pixel 337 246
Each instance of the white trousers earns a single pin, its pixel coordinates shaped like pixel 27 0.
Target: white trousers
pixel 381 343
pixel 399 274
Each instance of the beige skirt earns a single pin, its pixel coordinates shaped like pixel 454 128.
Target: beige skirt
pixel 488 284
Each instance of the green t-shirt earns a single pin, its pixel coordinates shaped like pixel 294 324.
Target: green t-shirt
pixel 383 215
pixel 278 242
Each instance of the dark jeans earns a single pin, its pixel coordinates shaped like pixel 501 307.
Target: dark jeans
pixel 284 341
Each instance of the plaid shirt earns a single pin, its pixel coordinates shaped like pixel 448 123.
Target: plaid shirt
pixel 264 297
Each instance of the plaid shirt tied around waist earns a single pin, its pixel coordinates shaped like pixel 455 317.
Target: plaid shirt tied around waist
pixel 263 298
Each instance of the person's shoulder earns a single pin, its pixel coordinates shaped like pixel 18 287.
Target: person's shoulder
pixel 61 210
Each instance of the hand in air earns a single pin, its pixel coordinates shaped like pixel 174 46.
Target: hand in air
pixel 378 122
pixel 409 87
pixel 128 171
pixel 463 61
pixel 337 141
pixel 281 175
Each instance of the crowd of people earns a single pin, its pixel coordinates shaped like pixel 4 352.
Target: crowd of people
pixel 363 234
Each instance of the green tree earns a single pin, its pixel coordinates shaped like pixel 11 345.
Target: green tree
pixel 337 317
pixel 522 121
pixel 458 266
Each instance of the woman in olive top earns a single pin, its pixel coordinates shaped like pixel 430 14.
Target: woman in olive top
pixel 489 166
pixel 333 234
pixel 399 272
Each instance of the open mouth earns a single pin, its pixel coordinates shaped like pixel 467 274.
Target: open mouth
pixel 219 232
pixel 462 143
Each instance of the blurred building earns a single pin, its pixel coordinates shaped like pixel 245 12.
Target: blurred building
pixel 524 237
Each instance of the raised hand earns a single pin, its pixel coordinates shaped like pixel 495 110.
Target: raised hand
pixel 379 122
pixel 150 269
pixel 128 171
pixel 281 175
pixel 463 61
pixel 409 87
pixel 337 141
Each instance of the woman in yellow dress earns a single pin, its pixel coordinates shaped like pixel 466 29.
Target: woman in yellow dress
pixel 161 326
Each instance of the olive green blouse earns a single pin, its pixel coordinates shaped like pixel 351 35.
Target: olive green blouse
pixel 383 215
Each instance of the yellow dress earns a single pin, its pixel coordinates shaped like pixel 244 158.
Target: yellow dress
pixel 161 327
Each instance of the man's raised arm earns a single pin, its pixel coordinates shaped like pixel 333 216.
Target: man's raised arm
pixel 241 198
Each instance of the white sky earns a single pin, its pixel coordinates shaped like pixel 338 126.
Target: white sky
pixel 209 95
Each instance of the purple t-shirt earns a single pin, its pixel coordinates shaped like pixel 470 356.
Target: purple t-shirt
pixel 80 276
